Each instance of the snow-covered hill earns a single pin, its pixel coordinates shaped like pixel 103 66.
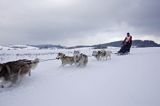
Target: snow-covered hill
pixel 4 48
pixel 131 80
pixel 17 47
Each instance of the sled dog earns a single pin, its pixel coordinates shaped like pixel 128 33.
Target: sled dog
pixel 65 59
pixel 15 70
pixel 81 60
pixel 102 54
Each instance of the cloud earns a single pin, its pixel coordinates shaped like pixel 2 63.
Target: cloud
pixel 62 21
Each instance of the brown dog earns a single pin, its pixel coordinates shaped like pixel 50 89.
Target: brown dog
pixel 65 59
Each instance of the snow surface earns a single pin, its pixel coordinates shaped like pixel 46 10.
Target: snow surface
pixel 130 80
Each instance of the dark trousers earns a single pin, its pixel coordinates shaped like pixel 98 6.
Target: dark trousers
pixel 125 48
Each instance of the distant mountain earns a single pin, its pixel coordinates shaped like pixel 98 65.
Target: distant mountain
pixel 136 43
pixel 81 46
pixel 47 46
pixel 105 45
pixel 145 43
pixel 3 48
pixel 17 47
pixel 30 47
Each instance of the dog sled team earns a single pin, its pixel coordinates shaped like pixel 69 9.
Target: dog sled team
pixel 81 60
pixel 12 72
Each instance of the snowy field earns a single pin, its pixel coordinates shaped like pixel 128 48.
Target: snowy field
pixel 130 80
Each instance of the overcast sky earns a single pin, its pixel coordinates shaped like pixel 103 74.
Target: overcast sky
pixel 74 22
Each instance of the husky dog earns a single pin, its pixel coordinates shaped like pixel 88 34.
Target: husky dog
pixel 81 60
pixel 102 54
pixel 99 55
pixel 15 70
pixel 95 54
pixel 65 59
